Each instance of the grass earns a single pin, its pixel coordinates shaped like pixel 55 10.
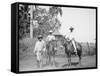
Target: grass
pixel 26 47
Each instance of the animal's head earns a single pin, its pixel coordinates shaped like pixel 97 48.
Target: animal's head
pixel 67 43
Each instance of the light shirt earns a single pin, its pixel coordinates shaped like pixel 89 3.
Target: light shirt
pixel 70 36
pixel 50 37
pixel 39 46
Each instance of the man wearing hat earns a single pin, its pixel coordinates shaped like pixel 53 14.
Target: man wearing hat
pixel 71 38
pixel 39 46
pixel 50 37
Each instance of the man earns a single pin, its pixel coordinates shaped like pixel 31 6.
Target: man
pixel 50 37
pixel 39 46
pixel 72 39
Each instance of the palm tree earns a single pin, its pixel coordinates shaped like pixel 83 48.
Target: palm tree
pixel 53 13
pixel 46 20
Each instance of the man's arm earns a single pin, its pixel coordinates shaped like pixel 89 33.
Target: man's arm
pixel 44 46
pixel 35 49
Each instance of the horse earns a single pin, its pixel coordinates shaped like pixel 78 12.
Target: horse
pixel 51 51
pixel 69 50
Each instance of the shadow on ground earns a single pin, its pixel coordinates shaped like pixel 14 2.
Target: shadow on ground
pixel 51 64
pixel 72 64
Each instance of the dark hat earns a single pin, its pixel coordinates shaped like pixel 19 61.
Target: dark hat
pixel 40 36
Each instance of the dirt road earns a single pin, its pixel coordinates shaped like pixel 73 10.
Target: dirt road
pixel 28 63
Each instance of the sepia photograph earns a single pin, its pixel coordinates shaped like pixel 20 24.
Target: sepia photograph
pixel 55 37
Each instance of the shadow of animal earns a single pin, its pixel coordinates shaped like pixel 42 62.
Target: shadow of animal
pixel 72 64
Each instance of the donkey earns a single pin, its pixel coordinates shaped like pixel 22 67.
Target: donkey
pixel 69 50
pixel 51 51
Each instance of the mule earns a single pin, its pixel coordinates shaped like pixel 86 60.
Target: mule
pixel 69 50
pixel 51 51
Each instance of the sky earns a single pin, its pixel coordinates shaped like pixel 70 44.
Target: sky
pixel 84 23
pixel 83 20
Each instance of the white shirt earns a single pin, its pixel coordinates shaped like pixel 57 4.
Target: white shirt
pixel 50 37
pixel 39 46
pixel 70 36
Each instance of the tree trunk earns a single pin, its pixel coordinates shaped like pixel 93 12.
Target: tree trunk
pixel 31 21
pixel 31 30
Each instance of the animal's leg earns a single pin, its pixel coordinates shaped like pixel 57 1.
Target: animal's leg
pixel 46 59
pixel 80 60
pixel 49 59
pixel 54 61
pixel 38 63
pixel 69 61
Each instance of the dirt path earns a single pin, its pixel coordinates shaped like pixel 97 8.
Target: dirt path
pixel 28 63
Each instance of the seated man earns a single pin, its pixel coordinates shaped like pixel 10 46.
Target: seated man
pixel 71 38
pixel 50 37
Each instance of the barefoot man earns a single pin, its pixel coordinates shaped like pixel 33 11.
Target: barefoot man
pixel 38 50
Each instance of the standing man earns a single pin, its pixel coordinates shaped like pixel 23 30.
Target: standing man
pixel 72 39
pixel 38 50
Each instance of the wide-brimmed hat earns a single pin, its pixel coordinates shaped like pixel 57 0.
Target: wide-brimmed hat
pixel 50 31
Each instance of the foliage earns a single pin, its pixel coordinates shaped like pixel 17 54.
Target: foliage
pixel 55 11
pixel 46 20
pixel 24 21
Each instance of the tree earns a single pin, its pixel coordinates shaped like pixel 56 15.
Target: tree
pixel 38 20
pixel 32 13
pixel 46 20
pixel 23 20
pixel 54 11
